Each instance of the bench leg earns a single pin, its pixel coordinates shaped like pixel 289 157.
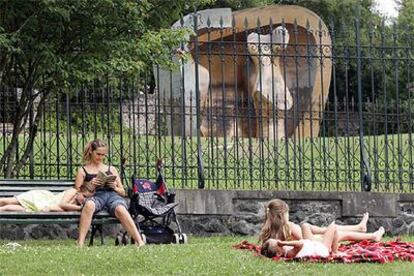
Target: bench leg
pixel 101 234
pixel 93 232
pixel 99 228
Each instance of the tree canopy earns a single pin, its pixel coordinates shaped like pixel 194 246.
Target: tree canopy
pixel 81 39
pixel 49 45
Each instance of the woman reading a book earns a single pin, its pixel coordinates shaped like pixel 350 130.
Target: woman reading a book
pixel 109 195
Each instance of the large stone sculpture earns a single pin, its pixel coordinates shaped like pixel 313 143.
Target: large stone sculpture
pixel 261 72
pixel 266 82
pixel 178 88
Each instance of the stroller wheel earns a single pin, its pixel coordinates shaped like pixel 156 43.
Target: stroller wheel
pixel 183 238
pixel 176 238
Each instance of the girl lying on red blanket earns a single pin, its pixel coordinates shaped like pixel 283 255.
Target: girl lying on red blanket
pixel 311 246
pixel 278 226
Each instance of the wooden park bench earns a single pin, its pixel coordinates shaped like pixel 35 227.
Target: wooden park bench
pixel 12 187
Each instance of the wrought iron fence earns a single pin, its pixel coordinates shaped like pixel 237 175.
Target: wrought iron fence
pixel 288 105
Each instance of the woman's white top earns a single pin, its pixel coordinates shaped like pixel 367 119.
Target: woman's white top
pixel 313 248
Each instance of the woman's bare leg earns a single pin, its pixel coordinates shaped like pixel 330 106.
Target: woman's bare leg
pixel 307 231
pixel 12 208
pixel 8 201
pixel 126 220
pixel 318 230
pixel 85 221
pixel 335 242
pixel 357 236
pixel 360 227
pixel 330 239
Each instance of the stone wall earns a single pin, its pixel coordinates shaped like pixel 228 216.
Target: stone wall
pixel 214 212
pixel 241 212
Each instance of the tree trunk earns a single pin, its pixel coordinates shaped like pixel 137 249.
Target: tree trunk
pixel 9 166
pixel 32 134
pixel 9 154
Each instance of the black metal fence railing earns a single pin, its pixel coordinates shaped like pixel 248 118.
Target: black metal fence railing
pixel 285 106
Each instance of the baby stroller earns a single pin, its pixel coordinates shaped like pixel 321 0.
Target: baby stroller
pixel 152 208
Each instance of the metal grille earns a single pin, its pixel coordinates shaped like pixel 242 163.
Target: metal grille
pixel 235 134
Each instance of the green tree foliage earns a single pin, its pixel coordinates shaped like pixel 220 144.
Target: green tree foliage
pixel 405 23
pixel 162 14
pixel 394 103
pixel 50 45
pixel 405 15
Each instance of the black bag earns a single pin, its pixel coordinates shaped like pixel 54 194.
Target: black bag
pixel 157 234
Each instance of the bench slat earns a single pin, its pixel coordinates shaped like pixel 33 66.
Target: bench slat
pixel 25 189
pixel 30 183
pixel 37 221
pixel 12 187
pixel 52 218
pixel 75 214
pixel 99 215
pixel 55 221
pixel 8 191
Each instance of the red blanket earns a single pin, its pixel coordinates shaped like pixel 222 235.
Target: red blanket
pixel 357 252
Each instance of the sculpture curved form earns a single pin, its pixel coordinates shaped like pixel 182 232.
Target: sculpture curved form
pixel 266 81
pixel 268 72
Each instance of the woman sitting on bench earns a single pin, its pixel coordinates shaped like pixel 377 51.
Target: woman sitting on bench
pixel 109 194
pixel 45 201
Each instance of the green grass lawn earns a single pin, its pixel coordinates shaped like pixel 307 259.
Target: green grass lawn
pixel 201 256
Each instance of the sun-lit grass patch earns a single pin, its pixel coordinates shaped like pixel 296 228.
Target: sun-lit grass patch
pixel 201 256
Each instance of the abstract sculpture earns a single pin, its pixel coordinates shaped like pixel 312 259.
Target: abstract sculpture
pixel 269 79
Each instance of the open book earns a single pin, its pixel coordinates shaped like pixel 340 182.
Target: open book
pixel 105 178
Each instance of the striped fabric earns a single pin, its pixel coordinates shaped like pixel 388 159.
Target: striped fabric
pixel 151 202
